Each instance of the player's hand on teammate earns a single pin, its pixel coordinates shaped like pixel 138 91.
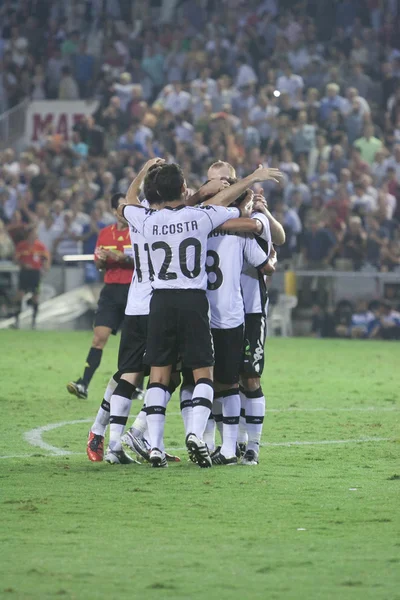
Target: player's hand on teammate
pixel 267 174
pixel 212 187
pixel 259 203
pixel 246 206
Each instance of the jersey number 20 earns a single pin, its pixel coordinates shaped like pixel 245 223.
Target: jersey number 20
pixel 166 275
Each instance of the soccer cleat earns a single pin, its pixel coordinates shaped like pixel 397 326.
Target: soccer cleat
pixel 172 457
pixel 250 458
pixel 78 389
pixel 139 445
pixel 199 449
pixel 220 459
pixel 119 457
pixel 95 447
pixel 217 449
pixel 158 459
pixel 241 448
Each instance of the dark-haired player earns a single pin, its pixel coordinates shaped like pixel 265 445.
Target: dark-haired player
pixel 176 235
pixel 113 254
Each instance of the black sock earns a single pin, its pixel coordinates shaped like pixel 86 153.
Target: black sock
pixel 35 308
pixel 17 313
pixel 92 362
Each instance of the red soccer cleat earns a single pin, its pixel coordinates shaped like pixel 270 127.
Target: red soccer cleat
pixel 95 447
pixel 172 457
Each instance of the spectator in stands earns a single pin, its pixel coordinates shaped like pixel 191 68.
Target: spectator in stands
pixel 68 88
pixel 7 247
pixel 354 243
pixel 317 246
pixel 197 93
pixel 332 101
pixel 389 322
pixel 69 238
pixel 368 144
pixel 363 321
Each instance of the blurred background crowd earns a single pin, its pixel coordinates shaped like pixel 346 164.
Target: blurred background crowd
pixel 310 86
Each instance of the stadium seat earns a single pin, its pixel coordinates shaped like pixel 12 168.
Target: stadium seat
pixel 280 317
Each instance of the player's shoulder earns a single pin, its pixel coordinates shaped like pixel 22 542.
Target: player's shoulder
pixel 105 230
pixel 40 246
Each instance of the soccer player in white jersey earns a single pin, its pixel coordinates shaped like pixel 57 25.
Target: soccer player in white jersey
pixel 226 253
pixel 179 324
pixel 255 304
pixel 116 404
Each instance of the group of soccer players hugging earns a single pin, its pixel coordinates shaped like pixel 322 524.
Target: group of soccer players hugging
pixel 195 317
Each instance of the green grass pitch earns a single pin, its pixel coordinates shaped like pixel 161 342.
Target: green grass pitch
pixel 315 520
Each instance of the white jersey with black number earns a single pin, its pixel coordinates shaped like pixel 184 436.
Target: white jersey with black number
pixel 226 254
pixel 254 288
pixel 139 294
pixel 177 239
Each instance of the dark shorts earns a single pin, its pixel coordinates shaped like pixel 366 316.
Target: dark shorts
pixel 111 307
pixel 228 349
pixel 179 326
pixel 132 345
pixel 255 332
pixel 29 280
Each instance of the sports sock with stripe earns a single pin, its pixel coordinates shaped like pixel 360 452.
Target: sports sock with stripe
pixel 156 401
pixel 120 405
pixel 230 421
pixel 209 433
pixel 185 394
pixel 255 413
pixel 217 413
pixel 242 435
pixel 103 414
pixel 203 394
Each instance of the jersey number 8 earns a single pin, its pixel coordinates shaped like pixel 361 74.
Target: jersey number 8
pixel 215 276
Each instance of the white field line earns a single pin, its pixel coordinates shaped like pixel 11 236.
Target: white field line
pixel 34 436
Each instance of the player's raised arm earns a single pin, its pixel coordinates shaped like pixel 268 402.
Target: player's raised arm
pixel 132 195
pixel 243 225
pixel 278 235
pixel 206 192
pixel 229 194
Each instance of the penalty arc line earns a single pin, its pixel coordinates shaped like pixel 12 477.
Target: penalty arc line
pixel 34 438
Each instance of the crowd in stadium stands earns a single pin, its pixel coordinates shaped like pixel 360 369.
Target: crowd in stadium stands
pixel 373 320
pixel 311 87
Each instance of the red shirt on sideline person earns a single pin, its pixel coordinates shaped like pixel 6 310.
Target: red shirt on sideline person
pixel 118 241
pixel 31 255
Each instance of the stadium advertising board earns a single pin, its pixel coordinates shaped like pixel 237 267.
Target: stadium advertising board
pixel 55 117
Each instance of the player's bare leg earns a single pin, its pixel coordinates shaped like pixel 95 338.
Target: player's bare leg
pixel 79 388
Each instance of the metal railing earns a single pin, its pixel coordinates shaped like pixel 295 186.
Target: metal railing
pixel 12 124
